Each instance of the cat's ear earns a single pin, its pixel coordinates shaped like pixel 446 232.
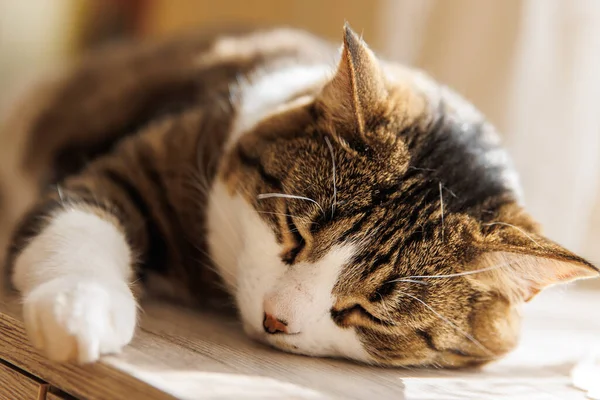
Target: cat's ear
pixel 358 86
pixel 522 264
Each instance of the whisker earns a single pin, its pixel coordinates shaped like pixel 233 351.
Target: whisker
pixel 450 323
pixel 442 209
pixel 263 196
pixel 422 169
pixel 451 192
pixel 409 281
pixel 477 271
pixel 303 219
pixel 334 177
pixel 60 194
pixel 132 283
pixel 516 227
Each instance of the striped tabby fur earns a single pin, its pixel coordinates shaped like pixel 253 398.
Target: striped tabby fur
pixel 357 211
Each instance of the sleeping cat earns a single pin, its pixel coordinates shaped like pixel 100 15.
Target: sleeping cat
pixel 358 211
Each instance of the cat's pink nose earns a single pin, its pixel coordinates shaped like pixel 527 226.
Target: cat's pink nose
pixel 273 325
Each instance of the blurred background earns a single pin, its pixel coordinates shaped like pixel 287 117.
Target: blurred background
pixel 532 66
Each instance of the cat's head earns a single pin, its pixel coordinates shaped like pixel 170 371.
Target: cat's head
pixel 378 219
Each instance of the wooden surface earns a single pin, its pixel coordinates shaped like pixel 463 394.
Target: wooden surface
pixel 52 396
pixel 178 353
pixel 14 385
pixel 52 393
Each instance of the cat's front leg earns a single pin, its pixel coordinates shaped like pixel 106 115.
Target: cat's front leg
pixel 74 278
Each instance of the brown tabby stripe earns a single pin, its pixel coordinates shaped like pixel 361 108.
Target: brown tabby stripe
pixel 255 164
pixel 427 338
pixel 156 255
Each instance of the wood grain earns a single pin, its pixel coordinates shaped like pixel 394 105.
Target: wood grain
pixel 179 353
pixel 98 381
pixel 53 393
pixel 14 385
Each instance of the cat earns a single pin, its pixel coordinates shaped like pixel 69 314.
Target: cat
pixel 350 206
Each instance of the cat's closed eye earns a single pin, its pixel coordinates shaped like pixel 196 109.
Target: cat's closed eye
pixel 353 314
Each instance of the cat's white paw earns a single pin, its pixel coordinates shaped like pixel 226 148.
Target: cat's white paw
pixel 80 319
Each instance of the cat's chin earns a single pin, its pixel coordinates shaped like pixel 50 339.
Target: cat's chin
pixel 277 341
pixel 282 343
pixel 308 344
